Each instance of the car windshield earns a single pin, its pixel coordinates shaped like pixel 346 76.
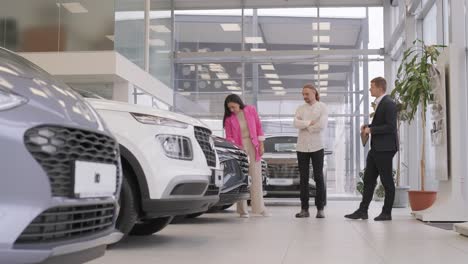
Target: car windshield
pixel 281 144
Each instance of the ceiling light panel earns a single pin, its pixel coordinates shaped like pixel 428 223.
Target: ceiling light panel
pixel 280 93
pixel 160 29
pixel 321 76
pixel 277 88
pixel 321 67
pixel 157 42
pixel 323 39
pixel 233 88
pixel 230 27
pixel 267 67
pixel 275 82
pixel 257 49
pixel 75 8
pixel 271 75
pixel 253 40
pixel 322 25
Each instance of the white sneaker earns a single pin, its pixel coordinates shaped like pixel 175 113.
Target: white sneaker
pixel 244 216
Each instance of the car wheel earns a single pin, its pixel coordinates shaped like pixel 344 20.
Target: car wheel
pixel 150 226
pixel 195 215
pixel 128 214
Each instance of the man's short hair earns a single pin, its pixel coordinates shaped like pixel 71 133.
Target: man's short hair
pixel 380 82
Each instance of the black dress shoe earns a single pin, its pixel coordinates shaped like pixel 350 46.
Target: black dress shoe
pixel 383 217
pixel 303 213
pixel 357 215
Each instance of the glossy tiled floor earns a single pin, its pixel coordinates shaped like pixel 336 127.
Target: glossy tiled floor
pixel 225 238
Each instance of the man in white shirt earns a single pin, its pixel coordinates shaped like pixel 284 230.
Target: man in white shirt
pixel 311 119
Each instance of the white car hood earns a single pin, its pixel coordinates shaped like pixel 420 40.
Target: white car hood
pixel 101 104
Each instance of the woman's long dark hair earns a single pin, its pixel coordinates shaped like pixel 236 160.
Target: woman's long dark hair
pixel 232 98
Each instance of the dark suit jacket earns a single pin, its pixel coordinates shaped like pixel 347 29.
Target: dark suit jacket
pixel 384 136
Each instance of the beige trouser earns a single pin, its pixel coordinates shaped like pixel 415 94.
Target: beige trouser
pixel 256 189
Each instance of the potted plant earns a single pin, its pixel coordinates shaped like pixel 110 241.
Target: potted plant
pixel 413 90
pixel 379 193
pixel 401 191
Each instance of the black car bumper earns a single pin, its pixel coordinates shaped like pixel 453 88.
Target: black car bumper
pixel 180 206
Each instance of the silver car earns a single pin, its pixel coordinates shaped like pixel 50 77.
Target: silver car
pixel 60 170
pixel 283 170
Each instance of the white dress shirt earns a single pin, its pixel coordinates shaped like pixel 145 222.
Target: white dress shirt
pixel 378 100
pixel 310 136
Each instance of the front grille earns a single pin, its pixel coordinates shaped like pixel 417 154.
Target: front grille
pixel 241 158
pixel 57 148
pixel 65 223
pixel 285 171
pixel 203 136
pixel 212 190
pixel 241 189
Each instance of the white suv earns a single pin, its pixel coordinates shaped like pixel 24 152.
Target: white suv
pixel 169 165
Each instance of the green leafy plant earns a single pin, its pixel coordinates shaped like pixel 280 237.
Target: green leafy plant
pixel 379 190
pixel 413 88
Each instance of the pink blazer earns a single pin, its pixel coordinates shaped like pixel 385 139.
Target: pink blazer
pixel 233 130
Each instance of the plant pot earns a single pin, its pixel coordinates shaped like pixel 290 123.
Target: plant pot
pixel 420 200
pixel 401 197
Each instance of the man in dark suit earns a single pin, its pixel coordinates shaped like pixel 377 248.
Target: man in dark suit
pixel 384 145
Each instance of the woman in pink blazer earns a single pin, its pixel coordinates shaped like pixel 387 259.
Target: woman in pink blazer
pixel 242 127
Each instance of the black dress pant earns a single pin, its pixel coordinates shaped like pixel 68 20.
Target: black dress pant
pixel 303 159
pixel 379 163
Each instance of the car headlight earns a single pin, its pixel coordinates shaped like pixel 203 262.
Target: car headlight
pixel 9 100
pixel 157 120
pixel 176 147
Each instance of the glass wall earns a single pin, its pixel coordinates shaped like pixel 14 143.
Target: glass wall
pixel 271 77
pixel 160 41
pixel 130 30
pixel 57 25
pixel 208 30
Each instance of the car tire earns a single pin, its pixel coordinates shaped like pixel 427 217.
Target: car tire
pixel 195 215
pixel 128 214
pixel 150 226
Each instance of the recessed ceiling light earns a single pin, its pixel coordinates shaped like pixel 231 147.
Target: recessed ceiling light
pixel 75 8
pixel 233 88
pixel 229 82
pixel 277 88
pixel 323 39
pixel 238 93
pixel 280 92
pixel 230 27
pixel 321 67
pixel 185 93
pixel 160 29
pixel 323 89
pixel 317 48
pixel 322 25
pixel 257 49
pixel 323 94
pixel 253 40
pixel 321 76
pixel 157 42
pixel 323 83
pixel 275 82
pixel 267 67
pixel 271 75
